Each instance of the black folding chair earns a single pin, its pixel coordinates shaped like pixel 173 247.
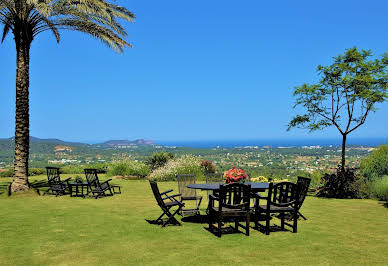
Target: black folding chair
pixel 57 186
pixel 97 188
pixel 166 202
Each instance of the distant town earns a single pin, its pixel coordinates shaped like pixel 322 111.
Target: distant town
pixel 258 160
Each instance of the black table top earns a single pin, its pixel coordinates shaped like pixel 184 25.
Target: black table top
pixel 216 186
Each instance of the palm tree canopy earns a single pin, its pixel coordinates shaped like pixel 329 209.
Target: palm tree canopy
pixel 98 18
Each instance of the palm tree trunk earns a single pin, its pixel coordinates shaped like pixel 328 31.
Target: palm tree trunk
pixel 22 131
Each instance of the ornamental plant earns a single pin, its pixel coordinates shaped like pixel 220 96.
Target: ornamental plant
pixel 235 175
pixel 208 167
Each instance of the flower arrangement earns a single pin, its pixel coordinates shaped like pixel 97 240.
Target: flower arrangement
pixel 235 175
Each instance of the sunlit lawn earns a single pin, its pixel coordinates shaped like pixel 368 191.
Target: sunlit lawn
pixel 41 230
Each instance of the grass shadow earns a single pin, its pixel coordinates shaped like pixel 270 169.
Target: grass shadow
pixel 384 203
pixel 5 188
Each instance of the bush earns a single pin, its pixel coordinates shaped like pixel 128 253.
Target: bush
pixel 339 185
pixel 186 164
pixel 375 165
pixel 158 159
pixel 36 171
pixel 379 188
pixel 79 169
pixel 8 173
pixel 128 168
pixel 31 172
pixel 208 167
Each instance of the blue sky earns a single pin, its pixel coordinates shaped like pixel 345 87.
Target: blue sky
pixel 199 70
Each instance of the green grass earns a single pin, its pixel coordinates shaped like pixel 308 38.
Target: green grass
pixel 45 230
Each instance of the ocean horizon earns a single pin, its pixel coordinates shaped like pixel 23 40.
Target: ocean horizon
pixel 372 142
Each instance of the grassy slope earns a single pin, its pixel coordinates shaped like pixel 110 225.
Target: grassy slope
pixel 45 230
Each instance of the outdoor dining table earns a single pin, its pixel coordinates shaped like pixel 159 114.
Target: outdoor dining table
pixel 255 186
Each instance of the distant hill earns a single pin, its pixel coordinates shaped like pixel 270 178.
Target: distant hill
pixel 110 143
pixel 53 141
pixel 122 143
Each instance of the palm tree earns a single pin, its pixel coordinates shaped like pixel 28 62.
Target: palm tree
pixel 28 18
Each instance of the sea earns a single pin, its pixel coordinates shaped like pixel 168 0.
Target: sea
pixel 369 142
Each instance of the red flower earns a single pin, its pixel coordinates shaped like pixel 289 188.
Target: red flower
pixel 235 175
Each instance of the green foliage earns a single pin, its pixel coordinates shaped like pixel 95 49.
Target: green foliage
pixel 375 165
pixel 345 94
pixel 158 159
pixel 208 166
pixel 79 180
pixel 7 173
pixel 379 188
pixel 31 172
pixel 339 185
pixel 186 164
pixel 128 168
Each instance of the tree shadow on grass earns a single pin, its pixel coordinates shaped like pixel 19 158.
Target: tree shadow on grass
pixel 4 188
pixel 384 203
pixel 39 186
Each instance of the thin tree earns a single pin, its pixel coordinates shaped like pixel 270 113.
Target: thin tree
pixel 25 19
pixel 345 95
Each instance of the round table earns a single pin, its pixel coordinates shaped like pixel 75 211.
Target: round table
pixel 255 186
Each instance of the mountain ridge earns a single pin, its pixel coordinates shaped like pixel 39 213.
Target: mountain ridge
pixel 109 143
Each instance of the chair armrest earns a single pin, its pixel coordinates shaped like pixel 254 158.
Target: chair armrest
pixel 167 191
pixel 171 197
pixel 106 181
pixel 66 180
pixel 212 198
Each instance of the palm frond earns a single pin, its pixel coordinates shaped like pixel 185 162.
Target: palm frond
pixel 5 32
pixel 104 34
pixel 98 18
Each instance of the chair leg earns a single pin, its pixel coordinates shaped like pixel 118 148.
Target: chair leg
pixel 210 220
pixel 301 215
pixel 219 226
pixel 247 225
pixel 171 217
pixel 295 225
pixel 282 217
pixel 267 223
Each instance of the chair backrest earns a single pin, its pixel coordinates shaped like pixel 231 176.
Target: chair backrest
pixel 235 196
pixel 283 194
pixel 91 177
pixel 215 177
pixel 53 176
pixel 183 181
pixel 155 190
pixel 303 184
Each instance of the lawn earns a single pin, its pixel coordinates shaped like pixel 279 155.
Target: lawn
pixel 45 230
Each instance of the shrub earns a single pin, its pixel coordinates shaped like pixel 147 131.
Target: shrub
pixel 379 188
pixel 36 171
pixel 7 173
pixel 375 165
pixel 31 172
pixel 339 185
pixel 208 167
pixel 79 169
pixel 158 159
pixel 186 164
pixel 128 168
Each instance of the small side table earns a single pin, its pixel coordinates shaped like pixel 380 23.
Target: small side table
pixel 77 189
